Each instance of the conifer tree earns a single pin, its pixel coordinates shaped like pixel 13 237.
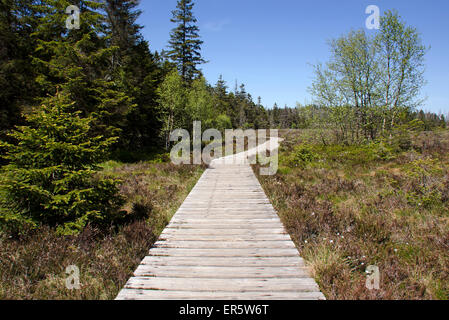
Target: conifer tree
pixel 137 71
pixel 123 30
pixel 17 22
pixel 78 63
pixel 50 178
pixel 221 87
pixel 185 43
pixel 221 98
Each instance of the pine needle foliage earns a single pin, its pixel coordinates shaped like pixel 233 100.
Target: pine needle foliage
pixel 51 176
pixel 185 42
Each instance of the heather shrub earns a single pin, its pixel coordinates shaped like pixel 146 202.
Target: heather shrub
pixel 369 204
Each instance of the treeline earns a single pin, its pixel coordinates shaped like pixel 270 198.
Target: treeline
pixel 107 70
pixel 72 92
pixel 305 117
pixel 104 67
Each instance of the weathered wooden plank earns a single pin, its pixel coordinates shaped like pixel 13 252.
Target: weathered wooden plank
pixel 228 285
pixel 224 261
pixel 251 209
pixel 223 211
pixel 225 245
pixel 235 219
pixel 137 294
pixel 218 217
pixel 225 225
pixel 227 237
pixel 223 200
pixel 240 231
pixel 226 252
pixel 235 206
pixel 228 272
pixel 241 196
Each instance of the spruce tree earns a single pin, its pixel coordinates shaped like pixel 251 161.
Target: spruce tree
pixel 77 62
pixel 17 23
pixel 221 87
pixel 123 30
pixel 185 43
pixel 50 178
pixel 136 70
pixel 221 99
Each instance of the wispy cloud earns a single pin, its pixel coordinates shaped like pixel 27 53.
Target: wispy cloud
pixel 216 26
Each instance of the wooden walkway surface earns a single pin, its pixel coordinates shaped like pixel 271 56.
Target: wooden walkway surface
pixel 225 242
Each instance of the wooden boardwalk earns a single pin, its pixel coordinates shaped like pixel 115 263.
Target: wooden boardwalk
pixel 225 242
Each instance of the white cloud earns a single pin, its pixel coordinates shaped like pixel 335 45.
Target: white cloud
pixel 216 26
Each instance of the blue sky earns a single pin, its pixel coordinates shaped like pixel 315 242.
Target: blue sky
pixel 270 44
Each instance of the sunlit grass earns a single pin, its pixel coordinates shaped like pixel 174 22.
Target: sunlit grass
pixel 33 266
pixel 348 209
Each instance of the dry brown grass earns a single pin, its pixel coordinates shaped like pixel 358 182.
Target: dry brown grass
pixel 345 214
pixel 33 266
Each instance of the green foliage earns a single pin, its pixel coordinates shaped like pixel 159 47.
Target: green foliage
pixel 348 210
pixel 172 99
pixel 199 103
pixel 324 155
pixel 16 73
pixel 182 104
pixel 383 151
pixel 302 155
pixel 357 154
pixel 401 137
pixel 50 178
pixel 371 81
pixel 80 64
pixel 424 198
pixel 185 43
pixel 222 122
pixel 161 158
pixel 136 71
pixel 425 191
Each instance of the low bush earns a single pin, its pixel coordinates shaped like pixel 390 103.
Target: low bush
pixel 302 155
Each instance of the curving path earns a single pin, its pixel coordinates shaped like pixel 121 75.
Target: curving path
pixel 224 242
